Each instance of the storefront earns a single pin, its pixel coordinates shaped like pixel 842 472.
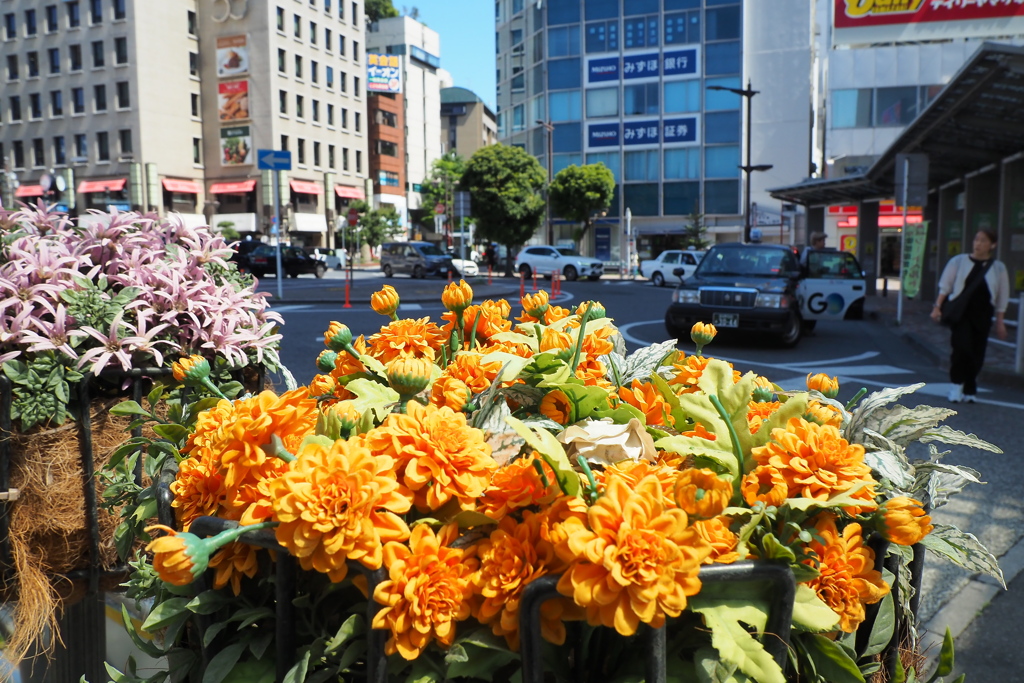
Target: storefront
pixel 234 206
pixel 104 195
pixel 308 225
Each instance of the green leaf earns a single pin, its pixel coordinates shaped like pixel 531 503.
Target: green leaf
pixel 734 643
pixel 710 668
pixel 963 549
pixel 810 613
pixel 954 437
pixel 884 627
pixel 352 626
pixel 830 660
pixel 180 662
pixel 145 646
pixel 424 671
pixel 718 452
pixel 172 432
pixel 480 663
pixel 128 408
pixel 212 631
pixel 164 613
pixel 504 441
pixel 945 666
pixel 223 662
pixel 843 499
pixel 209 602
pixel 645 361
pixel 862 416
pixel 545 443
pixel 372 396
pixel 250 616
pixel 252 671
pixel 297 674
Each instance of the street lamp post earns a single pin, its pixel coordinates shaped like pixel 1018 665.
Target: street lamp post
pixel 747 168
pixel 549 128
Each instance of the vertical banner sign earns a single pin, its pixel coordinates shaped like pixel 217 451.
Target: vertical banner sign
pixel 233 100
pixel 383 73
pixel 916 237
pixel 235 146
pixel 232 56
pixel 603 242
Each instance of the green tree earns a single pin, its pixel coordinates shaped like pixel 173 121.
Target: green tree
pixel 695 231
pixel 505 184
pixel 580 193
pixel 375 226
pixel 442 182
pixel 379 9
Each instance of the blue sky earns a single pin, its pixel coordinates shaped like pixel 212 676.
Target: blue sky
pixel 467 40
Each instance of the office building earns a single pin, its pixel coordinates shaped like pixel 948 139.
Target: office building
pixel 467 123
pixel 633 84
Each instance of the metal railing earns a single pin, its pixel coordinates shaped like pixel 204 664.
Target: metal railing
pixel 1017 334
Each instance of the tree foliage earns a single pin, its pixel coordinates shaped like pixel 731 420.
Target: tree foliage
pixel 375 225
pixel 695 231
pixel 505 184
pixel 580 193
pixel 443 181
pixel 379 9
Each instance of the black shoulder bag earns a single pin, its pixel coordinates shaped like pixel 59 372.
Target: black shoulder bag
pixel 953 309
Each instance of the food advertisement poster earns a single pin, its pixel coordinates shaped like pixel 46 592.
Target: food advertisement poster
pixel 232 56
pixel 383 73
pixel 233 100
pixel 235 146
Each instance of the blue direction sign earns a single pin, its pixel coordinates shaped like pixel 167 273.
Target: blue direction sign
pixel 273 160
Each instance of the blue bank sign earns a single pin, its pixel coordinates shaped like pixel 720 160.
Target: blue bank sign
pixel 647 65
pixel 682 130
pixel 604 69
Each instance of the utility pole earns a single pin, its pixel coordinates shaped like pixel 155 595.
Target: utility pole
pixel 549 129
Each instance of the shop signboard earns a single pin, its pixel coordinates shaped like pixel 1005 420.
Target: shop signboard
pixel 641 132
pixel 233 100
pixel 383 73
pixel 877 21
pixel 915 238
pixel 232 56
pixel 235 146
pixel 603 135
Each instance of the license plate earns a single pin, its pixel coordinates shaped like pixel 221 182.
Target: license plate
pixel 726 319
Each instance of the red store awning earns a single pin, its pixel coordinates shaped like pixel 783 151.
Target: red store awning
pixel 184 186
pixel 233 188
pixel 113 185
pixel 29 191
pixel 347 192
pixel 305 187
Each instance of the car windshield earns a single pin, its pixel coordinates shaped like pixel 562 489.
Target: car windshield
pixel 431 250
pixel 749 261
pixel 567 251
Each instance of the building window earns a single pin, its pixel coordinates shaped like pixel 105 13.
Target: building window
pixel 96 11
pixel 299 113
pixel 81 146
pixel 38 153
pixel 682 28
pixel 75 54
pixel 282 102
pixel 297 26
pixel 603 102
pixel 98 59
pixel 78 101
pixel 298 66
pixel 387 179
pixel 355 86
pixel 682 164
pixel 99 97
pixel 641 198
pixel 74 15
pixel 895 106
pixel 722 162
pixel 682 96
pixel 564 106
pixel 681 199
pixel 124 137
pixel 284 143
pixel 119 9
pixel 316 154
pixel 564 12
pixel 123 98
pixel 609 159
pixel 33 64
pixel 640 32
pixel 355 22
pixel 344 158
pixel 721 196
pixel 640 99
pixel 315 110
pixel 120 50
pixel 603 36
pixel 722 23
pixel 195 104
pixel 852 108
pixel 300 149
pixel 722 58
pixel 355 50
pixel 102 146
pixel 12 67
pixel 197 146
pixel 60 153
pixel 563 41
pixel 191 23
pixel 519 80
pixel 19 154
pixel 193 64
pixel 642 165
pixel 51 18
pixel 280 19
pixel 10 26
pixel 15 102
pixel 723 126
pixel 330 157
pixel 329 75
pixel 358 120
pixel 344 117
pixel 327 40
pixel 341 45
pixel 343 79
pixel 56 103
pixel 314 69
pixel 312 33
pixel 330 114
pixel 30 25
pixel 388 149
pixel 282 58
pixel 359 161
pixel 35 105
pixel 563 74
pixel 386 118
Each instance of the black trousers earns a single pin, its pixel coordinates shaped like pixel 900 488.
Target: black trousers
pixel 969 341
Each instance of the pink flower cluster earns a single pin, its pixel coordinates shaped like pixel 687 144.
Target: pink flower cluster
pixel 184 299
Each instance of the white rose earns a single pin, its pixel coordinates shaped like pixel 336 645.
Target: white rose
pixel 605 443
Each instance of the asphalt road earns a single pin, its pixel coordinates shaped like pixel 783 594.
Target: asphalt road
pixel 865 353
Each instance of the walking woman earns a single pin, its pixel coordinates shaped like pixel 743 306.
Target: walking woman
pixel 982 279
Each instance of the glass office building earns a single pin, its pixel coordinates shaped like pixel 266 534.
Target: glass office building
pixel 626 83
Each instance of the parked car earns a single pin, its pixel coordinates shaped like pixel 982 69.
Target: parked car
pixel 464 267
pixel 242 251
pixel 658 270
pixel 761 289
pixel 418 259
pixel 545 260
pixel 294 262
pixel 328 256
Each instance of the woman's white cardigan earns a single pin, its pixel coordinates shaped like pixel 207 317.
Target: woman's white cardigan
pixel 954 277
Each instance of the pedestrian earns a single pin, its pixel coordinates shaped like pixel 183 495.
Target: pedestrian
pixel 491 256
pixel 817 242
pixel 976 286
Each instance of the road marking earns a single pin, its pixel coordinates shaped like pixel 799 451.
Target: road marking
pixel 410 307
pixel 288 308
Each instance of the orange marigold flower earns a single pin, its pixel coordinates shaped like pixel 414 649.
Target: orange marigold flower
pixel 440 457
pixel 345 364
pixel 198 489
pixel 701 432
pixel 823 414
pixel 456 296
pixel 475 370
pixel 322 385
pixel 338 503
pixel 385 301
pixel 702 493
pixel 847 578
pixel 493 319
pixel 821 383
pixel 635 471
pixel 817 462
pixel 720 537
pixel 759 412
pixel 231 563
pixel 427 591
pixel 451 392
pixel 593 373
pixel 406 337
pixel 534 305
pixel 688 372
pixel 249 501
pixel 556 313
pixel 555 340
pixel 194 368
pixel 766 484
pixel 174 560
pixel 645 397
pixel 556 406
pixel 598 342
pixel 905 521
pixel 635 560
pixel 518 485
pixel 512 557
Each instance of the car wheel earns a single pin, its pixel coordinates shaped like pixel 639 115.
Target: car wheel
pixel 387 270
pixel 417 272
pixel 657 279
pixel 320 270
pixel 571 273
pixel 525 271
pixel 794 330
pixel 294 274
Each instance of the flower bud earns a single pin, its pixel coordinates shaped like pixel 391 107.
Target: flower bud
pixel 556 406
pixel 385 301
pixel 905 521
pixel 702 493
pixel 821 382
pixel 338 421
pixel 325 361
pixel 179 558
pixel 338 338
pixel 702 334
pixel 764 392
pixel 456 297
pixel 409 375
pixel 452 392
pixel 596 309
pixel 192 369
pixel 536 305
